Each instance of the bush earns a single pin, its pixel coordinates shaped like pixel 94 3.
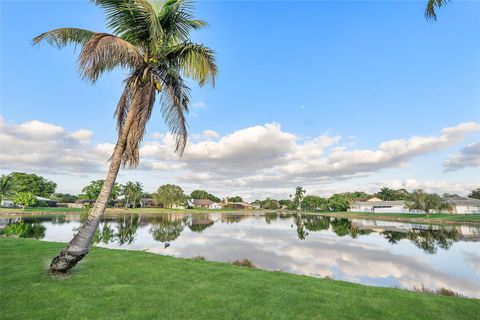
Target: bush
pixel 25 199
pixel 41 203
pixel 243 263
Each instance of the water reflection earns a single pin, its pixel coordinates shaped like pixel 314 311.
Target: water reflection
pixel 364 251
pixel 166 229
pixel 24 228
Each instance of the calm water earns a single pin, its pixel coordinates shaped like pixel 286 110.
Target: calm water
pixel 370 252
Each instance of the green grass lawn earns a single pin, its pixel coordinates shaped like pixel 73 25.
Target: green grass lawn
pixel 440 218
pixel 40 209
pixel 115 284
pixel 114 210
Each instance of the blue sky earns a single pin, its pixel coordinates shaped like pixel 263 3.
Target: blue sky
pixel 369 72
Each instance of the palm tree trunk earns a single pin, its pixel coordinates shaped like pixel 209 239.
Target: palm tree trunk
pixel 79 245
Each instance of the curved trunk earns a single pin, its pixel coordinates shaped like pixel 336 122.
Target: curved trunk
pixel 79 245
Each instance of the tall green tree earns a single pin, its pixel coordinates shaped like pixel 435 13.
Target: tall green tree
pixel 339 202
pixel 428 202
pixel 64 197
pixel 201 194
pixel 151 41
pixel 168 195
pixel 132 192
pixel 235 199
pixel 94 188
pixel 269 204
pixel 39 186
pixel 297 199
pixel 387 194
pixel 314 203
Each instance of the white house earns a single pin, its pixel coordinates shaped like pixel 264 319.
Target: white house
pixel 202 203
pixel 465 206
pixel 215 206
pixel 378 206
pixel 7 203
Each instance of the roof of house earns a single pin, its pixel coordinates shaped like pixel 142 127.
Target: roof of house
pixel 379 203
pixel 44 199
pixel 146 200
pixel 466 202
pixel 201 202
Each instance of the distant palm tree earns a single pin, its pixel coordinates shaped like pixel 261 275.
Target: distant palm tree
pixel 7 187
pixel 151 40
pixel 432 5
pixel 132 192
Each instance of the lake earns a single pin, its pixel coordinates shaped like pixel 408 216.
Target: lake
pixel 370 252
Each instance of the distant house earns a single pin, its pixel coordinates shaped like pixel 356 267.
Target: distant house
pixel 147 203
pixel 378 206
pixel 177 206
pixel 465 206
pixel 238 205
pixel 49 202
pixel 201 203
pixel 255 206
pixel 215 206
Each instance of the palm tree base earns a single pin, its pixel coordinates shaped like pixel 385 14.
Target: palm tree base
pixel 65 261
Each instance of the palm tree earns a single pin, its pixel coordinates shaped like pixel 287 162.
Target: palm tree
pixel 132 192
pixel 151 40
pixel 7 187
pixel 432 5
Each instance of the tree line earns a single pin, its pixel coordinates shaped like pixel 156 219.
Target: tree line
pixel 23 188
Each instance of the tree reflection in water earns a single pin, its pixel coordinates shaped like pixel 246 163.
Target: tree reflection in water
pixel 25 228
pixel 270 216
pixel 316 223
pixel 302 232
pixel 198 225
pixel 429 240
pixel 167 229
pixel 127 229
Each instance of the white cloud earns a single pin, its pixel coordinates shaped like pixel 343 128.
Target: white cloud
pixel 467 157
pixel 40 146
pixel 437 186
pixel 258 161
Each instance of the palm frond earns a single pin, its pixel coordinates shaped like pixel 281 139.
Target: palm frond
pixel 176 18
pixel 104 52
pixel 142 106
pixel 125 101
pixel 64 36
pixel 175 100
pixel 432 5
pixel 196 61
pixel 133 20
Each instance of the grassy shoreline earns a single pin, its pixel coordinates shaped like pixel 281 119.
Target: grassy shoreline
pixel 117 284
pixel 437 218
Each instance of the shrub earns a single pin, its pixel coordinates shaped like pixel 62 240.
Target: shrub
pixel 25 199
pixel 41 203
pixel 243 263
pixel 441 291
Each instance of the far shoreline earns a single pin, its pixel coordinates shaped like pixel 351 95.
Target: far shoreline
pixel 434 218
